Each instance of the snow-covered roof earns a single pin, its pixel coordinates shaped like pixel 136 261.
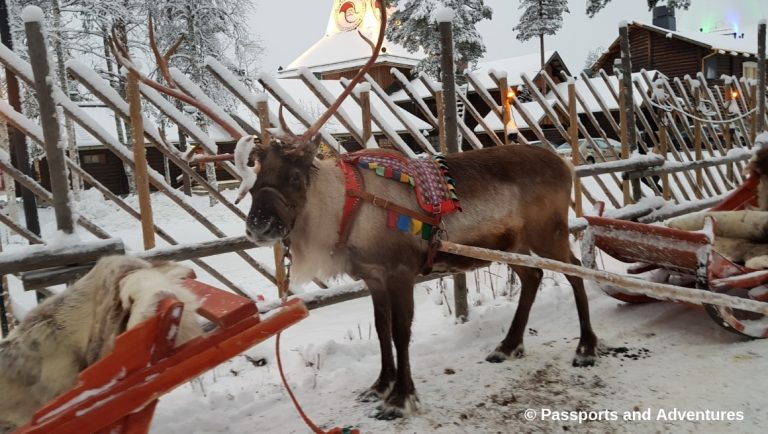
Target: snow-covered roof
pixel 347 50
pixel 311 104
pixel 105 117
pixel 604 92
pixel 726 43
pixel 534 109
pixel 514 67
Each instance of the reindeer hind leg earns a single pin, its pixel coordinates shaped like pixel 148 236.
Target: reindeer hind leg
pixel 512 345
pixel 586 351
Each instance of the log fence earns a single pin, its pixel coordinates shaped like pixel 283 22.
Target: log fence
pixel 697 155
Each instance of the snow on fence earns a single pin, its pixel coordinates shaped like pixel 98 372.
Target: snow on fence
pixel 697 137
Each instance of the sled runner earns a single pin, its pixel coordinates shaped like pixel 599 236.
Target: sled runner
pixel 118 394
pixel 683 258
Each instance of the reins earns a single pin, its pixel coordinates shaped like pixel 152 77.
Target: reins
pixel 283 290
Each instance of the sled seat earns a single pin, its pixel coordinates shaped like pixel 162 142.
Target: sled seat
pixel 118 394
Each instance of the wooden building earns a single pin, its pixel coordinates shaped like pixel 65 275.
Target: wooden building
pixel 341 51
pixel 677 54
pixel 108 169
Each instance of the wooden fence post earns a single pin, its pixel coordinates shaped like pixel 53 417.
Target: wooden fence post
pixel 663 146
pixel 140 161
pixel 440 101
pixel 365 107
pixel 54 150
pixel 761 72
pixel 575 152
pixel 629 102
pixel 625 149
pixel 697 140
pixel 16 141
pixel 448 76
pixel 505 107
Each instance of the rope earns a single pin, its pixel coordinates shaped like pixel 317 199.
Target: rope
pixel 314 428
pixel 669 108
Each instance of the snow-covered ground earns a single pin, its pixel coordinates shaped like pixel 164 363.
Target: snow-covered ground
pixel 664 357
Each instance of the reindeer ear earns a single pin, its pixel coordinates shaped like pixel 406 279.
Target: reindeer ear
pixel 312 147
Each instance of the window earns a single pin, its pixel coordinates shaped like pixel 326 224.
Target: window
pixel 710 68
pixel 94 159
pixel 749 70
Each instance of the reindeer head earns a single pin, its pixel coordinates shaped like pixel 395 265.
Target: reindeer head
pixel 279 191
pixel 282 172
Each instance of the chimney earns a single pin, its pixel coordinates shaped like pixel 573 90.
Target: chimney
pixel 664 17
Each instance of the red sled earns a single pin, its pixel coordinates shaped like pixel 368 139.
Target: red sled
pixel 685 256
pixel 118 394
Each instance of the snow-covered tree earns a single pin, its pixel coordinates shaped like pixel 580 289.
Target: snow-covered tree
pixel 216 29
pixel 595 6
pixel 592 56
pixel 540 18
pixel 413 26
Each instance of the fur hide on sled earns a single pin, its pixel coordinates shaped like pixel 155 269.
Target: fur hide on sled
pixel 740 236
pixel 68 332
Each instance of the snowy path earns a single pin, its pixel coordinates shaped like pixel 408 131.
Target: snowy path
pixel 664 356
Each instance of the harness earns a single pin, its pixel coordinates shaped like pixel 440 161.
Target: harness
pixel 428 225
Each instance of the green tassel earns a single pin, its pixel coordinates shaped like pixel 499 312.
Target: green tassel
pixel 426 231
pixel 380 170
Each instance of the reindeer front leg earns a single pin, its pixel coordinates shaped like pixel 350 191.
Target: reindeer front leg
pixel 403 397
pixel 383 319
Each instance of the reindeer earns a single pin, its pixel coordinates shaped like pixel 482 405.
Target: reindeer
pixel 514 198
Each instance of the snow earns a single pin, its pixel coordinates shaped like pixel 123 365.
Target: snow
pixel 32 14
pixel 662 356
pixel 714 41
pixel 444 15
pixel 513 67
pixel 361 88
pixel 347 50
pixel 194 91
pixel 762 22
pixel 302 98
pixel 623 24
pixel 238 87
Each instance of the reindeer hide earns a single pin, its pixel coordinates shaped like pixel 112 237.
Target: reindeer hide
pixel 42 357
pixel 748 225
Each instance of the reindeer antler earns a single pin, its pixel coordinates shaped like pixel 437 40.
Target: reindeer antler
pixel 123 58
pixel 314 128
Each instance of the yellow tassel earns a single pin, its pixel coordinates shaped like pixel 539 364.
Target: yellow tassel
pixel 415 227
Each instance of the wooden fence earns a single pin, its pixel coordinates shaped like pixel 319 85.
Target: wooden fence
pixel 695 137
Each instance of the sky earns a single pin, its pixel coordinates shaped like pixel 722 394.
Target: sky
pixel 287 31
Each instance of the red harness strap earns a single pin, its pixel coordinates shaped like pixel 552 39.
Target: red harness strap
pixel 355 193
pixel 352 182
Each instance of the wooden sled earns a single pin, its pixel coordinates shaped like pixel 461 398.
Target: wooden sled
pixel 685 256
pixel 118 394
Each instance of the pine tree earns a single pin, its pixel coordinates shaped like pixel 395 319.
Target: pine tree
pixel 214 29
pixel 540 17
pixel 413 26
pixel 595 6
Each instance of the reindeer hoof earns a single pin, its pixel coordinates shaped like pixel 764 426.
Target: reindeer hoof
pixel 498 355
pixel 388 412
pixel 370 395
pixel 582 360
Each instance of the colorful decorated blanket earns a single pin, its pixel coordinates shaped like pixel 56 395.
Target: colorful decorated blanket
pixel 435 189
